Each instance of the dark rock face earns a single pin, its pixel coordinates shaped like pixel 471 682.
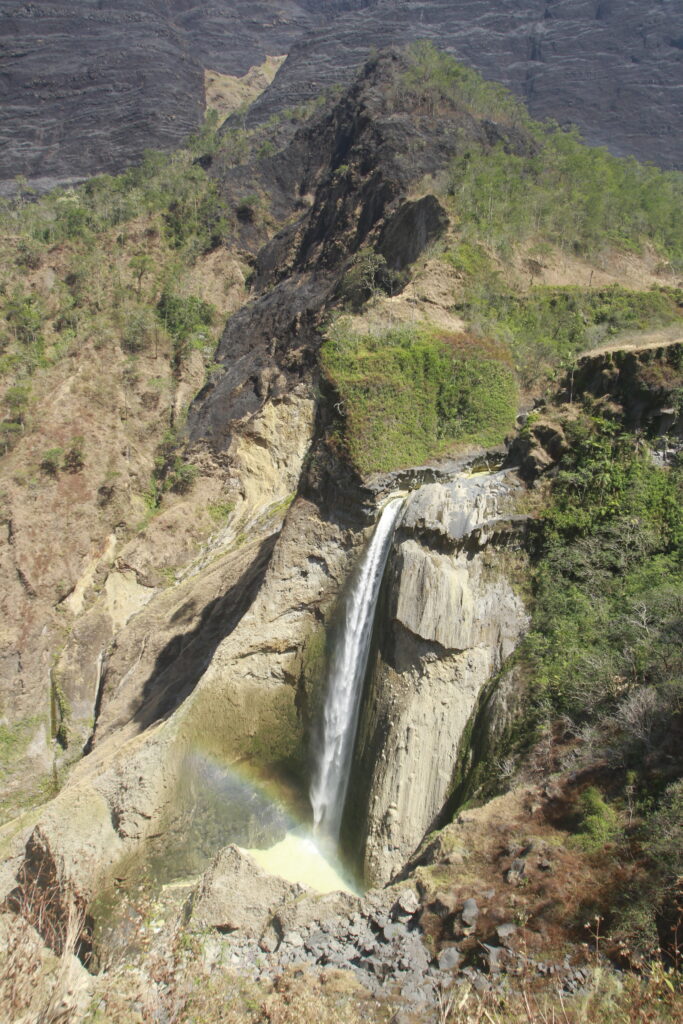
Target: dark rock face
pixel 613 68
pixel 87 88
pixel 270 344
pixel 412 228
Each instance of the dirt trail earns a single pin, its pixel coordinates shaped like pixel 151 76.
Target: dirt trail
pixel 639 340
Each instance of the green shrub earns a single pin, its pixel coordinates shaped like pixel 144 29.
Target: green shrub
pixel 180 476
pixel 51 461
pixel 25 315
pixel 187 319
pixel 649 914
pixel 598 824
pixel 137 327
pixel 29 253
pixel 363 278
pixel 16 401
pixel 201 220
pixel 171 471
pixel 469 259
pixel 220 511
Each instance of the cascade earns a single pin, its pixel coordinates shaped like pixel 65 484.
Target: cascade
pixel 337 733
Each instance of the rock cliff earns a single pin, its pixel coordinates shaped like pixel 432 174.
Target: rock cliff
pixel 87 89
pixel 449 619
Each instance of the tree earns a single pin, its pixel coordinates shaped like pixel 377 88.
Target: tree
pixel 141 264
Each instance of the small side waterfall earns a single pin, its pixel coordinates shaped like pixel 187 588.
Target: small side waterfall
pixel 349 661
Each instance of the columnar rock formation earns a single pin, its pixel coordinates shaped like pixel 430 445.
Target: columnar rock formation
pixel 449 620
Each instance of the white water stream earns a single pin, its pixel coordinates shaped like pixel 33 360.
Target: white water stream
pixel 345 680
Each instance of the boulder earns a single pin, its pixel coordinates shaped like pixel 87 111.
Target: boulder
pixel 313 910
pixel 235 894
pixel 469 912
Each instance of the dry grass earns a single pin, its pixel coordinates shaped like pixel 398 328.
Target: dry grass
pixel 37 987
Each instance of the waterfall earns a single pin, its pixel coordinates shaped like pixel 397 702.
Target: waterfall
pixel 337 734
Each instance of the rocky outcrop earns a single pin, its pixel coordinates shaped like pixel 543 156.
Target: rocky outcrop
pixel 236 895
pixel 612 69
pixel 637 385
pixel 449 619
pixel 244 707
pixel 641 386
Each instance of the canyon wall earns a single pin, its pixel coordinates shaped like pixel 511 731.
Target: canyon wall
pixel 449 618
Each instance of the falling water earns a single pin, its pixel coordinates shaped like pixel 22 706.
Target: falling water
pixel 345 680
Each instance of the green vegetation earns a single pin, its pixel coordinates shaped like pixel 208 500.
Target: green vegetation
pixel 538 180
pixel 61 713
pixel 578 197
pixel 171 471
pixel 433 82
pixel 14 739
pixel 366 276
pixel 187 319
pixel 609 588
pixel 599 822
pixel 410 394
pixel 160 183
pixel 220 511
pixel 51 460
pixel 14 742
pixel 605 656
pixel 546 328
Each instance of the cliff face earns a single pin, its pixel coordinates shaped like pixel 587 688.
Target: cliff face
pixel 614 69
pixel 450 618
pixel 87 89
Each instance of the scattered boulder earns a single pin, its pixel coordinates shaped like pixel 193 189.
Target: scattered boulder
pixel 515 873
pixel 450 958
pixel 469 912
pixel 505 933
pixel 314 910
pixel 408 903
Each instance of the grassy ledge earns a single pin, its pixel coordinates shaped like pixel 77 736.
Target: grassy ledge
pixel 413 393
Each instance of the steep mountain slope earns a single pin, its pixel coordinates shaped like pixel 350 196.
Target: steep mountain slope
pixel 87 89
pixel 614 69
